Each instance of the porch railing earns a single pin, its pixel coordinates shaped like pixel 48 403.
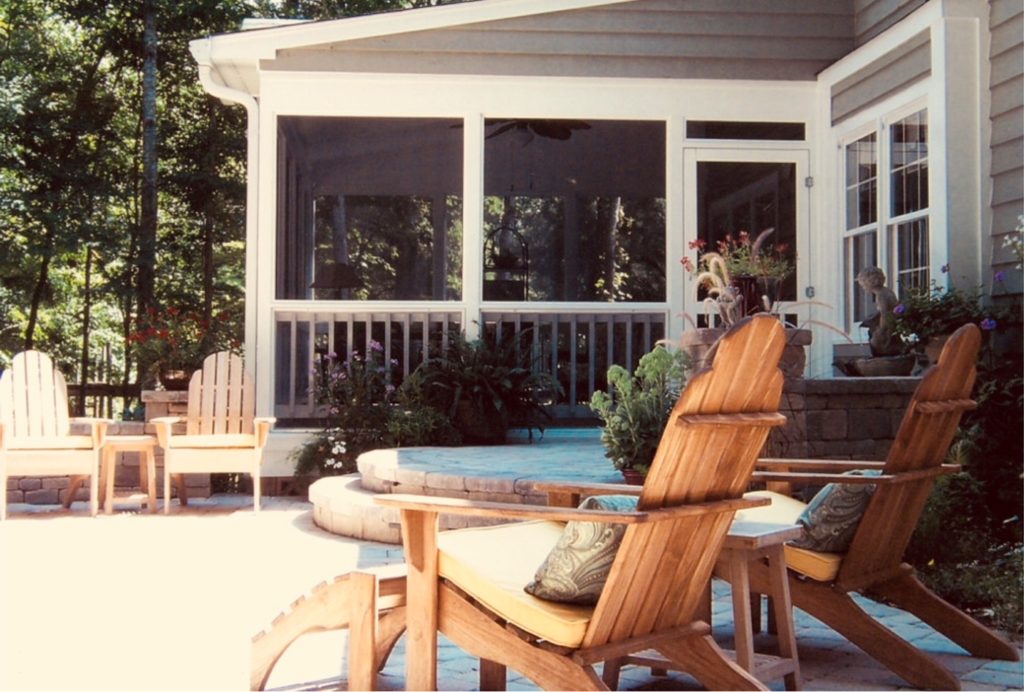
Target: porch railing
pixel 406 336
pixel 576 347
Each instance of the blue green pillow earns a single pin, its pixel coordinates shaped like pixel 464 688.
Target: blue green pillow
pixel 577 567
pixel 832 517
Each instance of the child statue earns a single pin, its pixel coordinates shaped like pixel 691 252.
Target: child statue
pixel 881 326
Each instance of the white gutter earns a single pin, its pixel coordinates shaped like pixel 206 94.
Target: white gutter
pixel 209 78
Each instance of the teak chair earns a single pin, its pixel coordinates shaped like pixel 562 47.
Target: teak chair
pixel 222 433
pixel 468 584
pixel 35 429
pixel 820 582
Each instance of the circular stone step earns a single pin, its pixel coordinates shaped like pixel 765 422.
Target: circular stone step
pixel 505 473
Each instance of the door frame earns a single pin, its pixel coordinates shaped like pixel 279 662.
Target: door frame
pixel 751 152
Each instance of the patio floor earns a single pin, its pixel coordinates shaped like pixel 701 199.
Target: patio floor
pixel 134 601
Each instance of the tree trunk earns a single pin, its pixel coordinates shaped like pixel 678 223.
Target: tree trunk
pixel 83 377
pixel 37 293
pixel 147 230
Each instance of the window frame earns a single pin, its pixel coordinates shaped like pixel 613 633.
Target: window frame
pixel 885 226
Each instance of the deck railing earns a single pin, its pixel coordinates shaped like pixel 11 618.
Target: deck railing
pixel 575 347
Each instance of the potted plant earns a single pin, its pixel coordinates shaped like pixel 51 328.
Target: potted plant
pixel 485 387
pixel 636 408
pixel 925 317
pixel 740 278
pixel 172 343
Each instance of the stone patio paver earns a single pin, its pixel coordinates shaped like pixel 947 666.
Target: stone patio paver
pixel 134 601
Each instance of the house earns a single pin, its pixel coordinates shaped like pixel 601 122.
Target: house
pixel 540 168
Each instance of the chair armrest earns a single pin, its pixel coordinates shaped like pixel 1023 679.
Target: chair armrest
pixel 263 425
pixel 570 494
pixel 807 464
pixel 164 429
pixel 884 479
pixel 504 510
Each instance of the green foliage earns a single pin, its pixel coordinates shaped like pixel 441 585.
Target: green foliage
pixel 967 544
pixel 635 413
pixel 366 411
pixel 485 386
pixel 925 314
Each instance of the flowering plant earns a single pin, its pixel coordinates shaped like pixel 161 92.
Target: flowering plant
pixel 736 258
pixel 174 339
pixel 927 313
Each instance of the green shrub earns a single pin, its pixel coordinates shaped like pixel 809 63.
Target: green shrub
pixel 634 414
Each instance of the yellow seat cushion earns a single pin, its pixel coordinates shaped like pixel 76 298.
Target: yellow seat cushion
pixel 56 442
pixel 785 510
pixel 494 563
pixel 211 441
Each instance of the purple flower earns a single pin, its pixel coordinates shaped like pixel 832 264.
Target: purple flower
pixel 332 355
pixel 1000 276
pixel 899 309
pixel 945 268
pixel 988 324
pixel 375 346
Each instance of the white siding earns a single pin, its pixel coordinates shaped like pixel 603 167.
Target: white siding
pixel 891 73
pixel 1006 20
pixel 872 17
pixel 682 39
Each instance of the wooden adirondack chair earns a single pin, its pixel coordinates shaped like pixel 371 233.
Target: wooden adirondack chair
pixel 35 429
pixel 468 583
pixel 222 434
pixel 820 582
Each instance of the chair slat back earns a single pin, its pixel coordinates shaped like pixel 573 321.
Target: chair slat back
pixel 660 572
pixel 922 442
pixel 221 397
pixel 34 398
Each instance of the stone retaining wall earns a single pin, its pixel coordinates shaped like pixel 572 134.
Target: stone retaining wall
pixel 841 418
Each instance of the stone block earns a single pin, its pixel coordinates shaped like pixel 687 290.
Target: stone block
pixel 488 484
pixel 15 496
pixel 47 496
pixel 446 492
pixel 13 483
pixel 510 498
pixel 444 481
pixel 56 482
pixel 871 424
pixel 826 425
pixel 30 484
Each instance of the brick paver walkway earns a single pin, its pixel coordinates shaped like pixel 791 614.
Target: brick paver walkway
pixel 140 602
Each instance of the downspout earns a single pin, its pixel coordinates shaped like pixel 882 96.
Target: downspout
pixel 209 78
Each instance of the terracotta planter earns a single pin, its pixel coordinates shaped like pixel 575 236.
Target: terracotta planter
pixel 175 380
pixel 632 477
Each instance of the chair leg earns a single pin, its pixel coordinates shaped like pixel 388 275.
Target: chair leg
pixel 705 660
pixel 167 489
pixel 837 610
pixel 3 495
pixel 610 674
pixel 94 491
pixel 256 491
pixel 493 676
pixel 907 592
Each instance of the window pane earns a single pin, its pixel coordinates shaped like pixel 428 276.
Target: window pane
pixel 736 198
pixel 574 211
pixel 912 254
pixel 862 182
pixel 370 209
pixel 861 252
pixel 909 168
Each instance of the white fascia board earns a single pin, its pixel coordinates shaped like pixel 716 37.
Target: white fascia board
pixel 262 44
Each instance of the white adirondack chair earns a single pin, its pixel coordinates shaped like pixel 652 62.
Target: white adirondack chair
pixel 35 428
pixel 222 433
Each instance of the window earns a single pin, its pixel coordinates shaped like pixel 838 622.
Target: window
pixel 574 211
pixel 886 209
pixel 369 209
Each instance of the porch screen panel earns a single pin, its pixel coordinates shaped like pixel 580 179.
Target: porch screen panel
pixel 377 212
pixel 574 211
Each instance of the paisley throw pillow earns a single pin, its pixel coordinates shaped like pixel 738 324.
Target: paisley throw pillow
pixel 831 519
pixel 577 567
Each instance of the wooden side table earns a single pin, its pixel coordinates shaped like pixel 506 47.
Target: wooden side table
pixel 145 446
pixel 749 541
